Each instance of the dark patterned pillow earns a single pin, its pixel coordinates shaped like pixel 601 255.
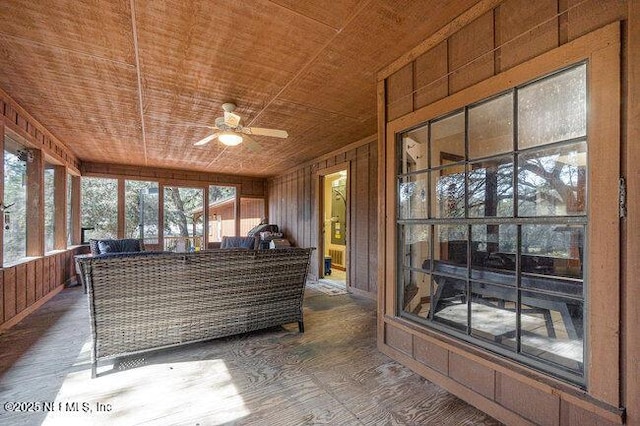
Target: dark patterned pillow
pixel 93 246
pixel 127 245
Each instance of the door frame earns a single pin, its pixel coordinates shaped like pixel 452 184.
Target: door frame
pixel 319 183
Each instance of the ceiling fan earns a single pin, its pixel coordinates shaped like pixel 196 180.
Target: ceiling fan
pixel 230 130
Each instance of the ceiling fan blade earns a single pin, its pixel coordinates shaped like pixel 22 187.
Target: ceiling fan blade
pixel 231 119
pixel 251 144
pixel 265 132
pixel 206 140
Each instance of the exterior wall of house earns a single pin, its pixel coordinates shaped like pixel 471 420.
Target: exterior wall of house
pixel 294 207
pixel 474 51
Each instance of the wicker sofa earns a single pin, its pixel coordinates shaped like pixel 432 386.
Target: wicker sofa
pixel 145 301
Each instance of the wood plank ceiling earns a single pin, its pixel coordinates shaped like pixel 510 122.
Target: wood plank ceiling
pixel 121 81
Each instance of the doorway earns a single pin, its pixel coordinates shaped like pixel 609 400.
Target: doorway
pixel 334 226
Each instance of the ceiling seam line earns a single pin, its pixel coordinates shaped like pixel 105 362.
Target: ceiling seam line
pixel 305 16
pixel 310 61
pixel 139 78
pixel 65 49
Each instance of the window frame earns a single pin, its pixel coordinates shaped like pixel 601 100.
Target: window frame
pixel 601 49
pixel 433 220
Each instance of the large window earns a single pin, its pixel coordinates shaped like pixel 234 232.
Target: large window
pixel 492 223
pixel 49 207
pixel 69 208
pixel 15 198
pixel 222 212
pixel 99 207
pixel 183 224
pixel 141 210
pixel 251 213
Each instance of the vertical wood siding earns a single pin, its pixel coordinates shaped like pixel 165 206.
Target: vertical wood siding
pixel 25 285
pixel 292 206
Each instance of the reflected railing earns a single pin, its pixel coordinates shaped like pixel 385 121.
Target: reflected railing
pixel 183 244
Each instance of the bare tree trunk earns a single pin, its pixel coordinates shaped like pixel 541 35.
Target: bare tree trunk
pixel 181 218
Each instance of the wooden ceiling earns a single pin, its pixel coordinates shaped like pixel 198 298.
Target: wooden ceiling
pixel 121 81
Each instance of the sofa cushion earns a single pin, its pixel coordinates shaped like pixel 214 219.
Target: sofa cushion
pixel 238 242
pixel 126 245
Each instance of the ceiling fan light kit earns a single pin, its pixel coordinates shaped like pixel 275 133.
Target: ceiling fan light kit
pixel 231 130
pixel 230 138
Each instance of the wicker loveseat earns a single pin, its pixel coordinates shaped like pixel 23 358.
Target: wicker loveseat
pixel 144 301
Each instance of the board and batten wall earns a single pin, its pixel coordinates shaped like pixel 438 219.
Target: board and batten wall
pixel 294 206
pixel 485 47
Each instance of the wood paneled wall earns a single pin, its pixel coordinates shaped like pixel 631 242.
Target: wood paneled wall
pixel 293 206
pixel 26 286
pixel 490 41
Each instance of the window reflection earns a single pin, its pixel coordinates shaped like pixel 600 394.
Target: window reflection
pixel 447 140
pixel 414 150
pixel 504 273
pixel 553 181
pixel 449 192
pixel 413 197
pixel 490 188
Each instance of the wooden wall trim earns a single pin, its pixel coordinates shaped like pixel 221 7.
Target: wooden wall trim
pixel 248 185
pixel 60 205
pixel 121 208
pixel 382 214
pixel 442 34
pixel 35 204
pixel 631 225
pixel 20 121
pixel 76 217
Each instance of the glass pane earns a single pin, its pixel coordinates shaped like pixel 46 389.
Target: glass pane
pixel 553 181
pixel 415 246
pixel 412 197
pixel 49 208
pixel 553 250
pixel 491 127
pixel 183 225
pixel 448 191
pixel 69 212
pixel 141 210
pixel 447 140
pixel 557 336
pixel 222 212
pixel 553 109
pixel 450 249
pixel 251 214
pixel 415 293
pixel 413 153
pixel 493 253
pixel 99 207
pixel 493 314
pixel 15 194
pixel 450 301
pixel 490 188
